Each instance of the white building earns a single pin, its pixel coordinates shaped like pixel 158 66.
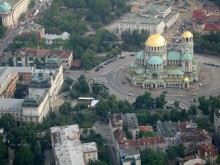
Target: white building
pixel 43 91
pixel 51 37
pixel 11 10
pixel 68 149
pixel 31 57
pixel 154 18
pixel 129 156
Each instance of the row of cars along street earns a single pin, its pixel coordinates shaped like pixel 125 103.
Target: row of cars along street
pixel 211 64
pixel 108 62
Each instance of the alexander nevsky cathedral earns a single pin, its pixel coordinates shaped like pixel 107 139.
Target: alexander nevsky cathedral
pixel 156 67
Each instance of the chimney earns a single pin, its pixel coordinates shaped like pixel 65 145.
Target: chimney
pixel 61 48
pixel 178 122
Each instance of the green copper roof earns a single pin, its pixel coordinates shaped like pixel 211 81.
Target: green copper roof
pixel 133 64
pixel 174 55
pixel 174 71
pixel 187 57
pixel 140 71
pixel 154 60
pixel 140 55
pixel 172 80
pixel 4 7
pixel 154 81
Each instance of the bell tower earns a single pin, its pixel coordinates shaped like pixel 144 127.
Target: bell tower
pixel 187 43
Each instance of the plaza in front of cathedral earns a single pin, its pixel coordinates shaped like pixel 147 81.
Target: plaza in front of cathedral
pixel 156 67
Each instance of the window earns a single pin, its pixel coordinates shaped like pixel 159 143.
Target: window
pixel 30 58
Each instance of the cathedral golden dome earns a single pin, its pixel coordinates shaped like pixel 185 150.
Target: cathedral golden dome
pixel 187 34
pixel 156 40
pixel 186 79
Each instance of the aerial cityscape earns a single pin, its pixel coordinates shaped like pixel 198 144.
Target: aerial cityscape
pixel 110 82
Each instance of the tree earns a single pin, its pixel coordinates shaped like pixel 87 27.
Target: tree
pixel 3 151
pixel 65 108
pixel 7 121
pixel 83 84
pixel 203 105
pixel 129 135
pixel 218 159
pixel 2 31
pixel 24 155
pixel 176 103
pixel 21 91
pixel 176 151
pixel 192 110
pixel 144 101
pixel 102 108
pixel 160 101
pixel 149 157
pixel 97 162
pixel 38 156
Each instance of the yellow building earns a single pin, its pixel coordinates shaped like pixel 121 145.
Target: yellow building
pixel 11 10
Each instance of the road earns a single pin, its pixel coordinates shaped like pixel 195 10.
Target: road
pixel 114 77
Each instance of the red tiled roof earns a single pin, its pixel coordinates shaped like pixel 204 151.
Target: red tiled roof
pixel 145 128
pixel 143 141
pixel 212 22
pixel 210 149
pixel 46 52
pixel 76 63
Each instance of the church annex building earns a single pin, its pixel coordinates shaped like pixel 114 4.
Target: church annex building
pixel 156 67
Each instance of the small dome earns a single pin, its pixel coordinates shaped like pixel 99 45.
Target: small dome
pixel 187 34
pixel 4 7
pixel 186 79
pixel 154 60
pixel 156 40
pixel 187 57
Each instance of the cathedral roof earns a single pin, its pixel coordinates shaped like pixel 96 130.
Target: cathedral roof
pixel 140 55
pixel 154 60
pixel 174 71
pixel 140 71
pixel 174 55
pixel 5 7
pixel 133 64
pixel 186 79
pixel 187 57
pixel 156 40
pixel 187 34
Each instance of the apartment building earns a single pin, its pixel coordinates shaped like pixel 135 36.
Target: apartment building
pixel 68 149
pixel 38 57
pixel 208 152
pixel 129 156
pixel 154 18
pixel 8 80
pixel 185 133
pixel 43 90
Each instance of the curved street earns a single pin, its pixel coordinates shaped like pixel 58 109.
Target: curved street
pixel 113 76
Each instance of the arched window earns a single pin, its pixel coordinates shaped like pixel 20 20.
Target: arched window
pixel 154 76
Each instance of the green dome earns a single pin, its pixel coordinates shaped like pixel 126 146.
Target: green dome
pixel 154 60
pixel 140 55
pixel 187 57
pixel 4 7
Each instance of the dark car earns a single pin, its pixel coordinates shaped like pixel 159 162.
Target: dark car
pixel 132 54
pixel 97 69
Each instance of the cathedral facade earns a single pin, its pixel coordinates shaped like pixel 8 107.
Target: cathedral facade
pixel 156 67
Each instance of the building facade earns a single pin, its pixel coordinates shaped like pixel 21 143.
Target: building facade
pixel 38 57
pixel 154 18
pixel 35 29
pixel 68 149
pixel 156 67
pixel 11 10
pixel 50 38
pixel 43 90
pixel 8 81
pixel 206 20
